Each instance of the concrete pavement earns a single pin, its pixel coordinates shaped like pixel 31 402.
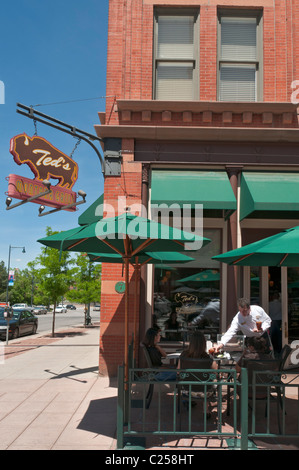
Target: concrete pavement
pixel 51 395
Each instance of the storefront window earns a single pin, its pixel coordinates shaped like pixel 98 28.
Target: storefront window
pixel 187 296
pixel 293 304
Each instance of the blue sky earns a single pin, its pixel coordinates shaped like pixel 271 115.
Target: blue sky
pixel 50 51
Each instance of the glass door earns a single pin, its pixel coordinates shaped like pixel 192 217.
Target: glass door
pixel 275 307
pixel 266 291
pixel 293 304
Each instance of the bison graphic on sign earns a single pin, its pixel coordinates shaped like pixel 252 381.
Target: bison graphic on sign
pixel 44 160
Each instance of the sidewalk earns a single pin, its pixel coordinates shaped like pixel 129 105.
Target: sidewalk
pixel 51 395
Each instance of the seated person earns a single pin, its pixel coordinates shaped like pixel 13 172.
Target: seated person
pixel 156 353
pixel 172 324
pixel 256 349
pixel 197 349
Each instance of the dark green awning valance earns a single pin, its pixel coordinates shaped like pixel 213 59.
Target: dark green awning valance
pixel 89 216
pixel 210 188
pixel 268 191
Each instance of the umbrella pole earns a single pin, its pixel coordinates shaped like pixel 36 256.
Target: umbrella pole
pixel 137 278
pixel 126 260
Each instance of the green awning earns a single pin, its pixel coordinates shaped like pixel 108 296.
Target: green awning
pixel 266 191
pixel 93 213
pixel 210 188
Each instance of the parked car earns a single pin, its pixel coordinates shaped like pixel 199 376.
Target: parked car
pixel 22 323
pixel 97 307
pixel 39 310
pixel 22 306
pixel 60 309
pixel 71 307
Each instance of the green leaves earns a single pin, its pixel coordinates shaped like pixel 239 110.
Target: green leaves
pixel 53 275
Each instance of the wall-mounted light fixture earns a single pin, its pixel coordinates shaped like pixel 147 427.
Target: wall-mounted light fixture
pixel 8 201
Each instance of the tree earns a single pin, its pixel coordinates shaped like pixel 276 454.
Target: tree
pixel 38 295
pixel 55 274
pixel 86 283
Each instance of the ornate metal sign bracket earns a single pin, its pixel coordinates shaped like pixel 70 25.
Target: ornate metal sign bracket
pixel 61 126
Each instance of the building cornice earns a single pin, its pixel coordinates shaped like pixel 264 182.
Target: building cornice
pixel 199 120
pixel 202 106
pixel 227 134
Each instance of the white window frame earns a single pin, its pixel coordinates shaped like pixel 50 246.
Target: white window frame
pixel 257 62
pixel 179 61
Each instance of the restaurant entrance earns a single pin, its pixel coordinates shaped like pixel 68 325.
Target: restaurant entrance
pixel 284 304
pixel 292 319
pixel 277 291
pixel 275 307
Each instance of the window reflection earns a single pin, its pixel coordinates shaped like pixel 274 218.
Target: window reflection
pixel 255 285
pixel 187 296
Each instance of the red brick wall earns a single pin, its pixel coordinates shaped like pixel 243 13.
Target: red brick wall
pixel 129 63
pixel 130 38
pixel 129 76
pixel 112 303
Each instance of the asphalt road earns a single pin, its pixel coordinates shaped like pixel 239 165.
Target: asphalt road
pixel 71 318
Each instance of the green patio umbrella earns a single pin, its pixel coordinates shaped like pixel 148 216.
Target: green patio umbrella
pixel 137 262
pixel 160 259
pixel 208 275
pixel 183 289
pixel 129 236
pixel 281 249
pixel 126 235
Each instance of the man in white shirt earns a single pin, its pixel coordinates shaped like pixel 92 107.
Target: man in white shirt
pixel 245 321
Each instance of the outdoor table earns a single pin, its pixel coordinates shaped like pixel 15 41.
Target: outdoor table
pixel 172 358
pixel 228 361
pixel 223 359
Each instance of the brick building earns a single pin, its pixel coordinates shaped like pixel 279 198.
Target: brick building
pixel 201 108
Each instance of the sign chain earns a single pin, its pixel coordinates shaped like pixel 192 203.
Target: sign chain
pixel 35 126
pixel 74 149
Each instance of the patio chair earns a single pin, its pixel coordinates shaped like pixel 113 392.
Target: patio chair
pixel 265 365
pixel 263 392
pixel 193 371
pixel 149 363
pixel 283 356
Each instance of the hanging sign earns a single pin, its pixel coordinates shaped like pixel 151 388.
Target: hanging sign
pixel 23 188
pixel 46 162
pixel 11 278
